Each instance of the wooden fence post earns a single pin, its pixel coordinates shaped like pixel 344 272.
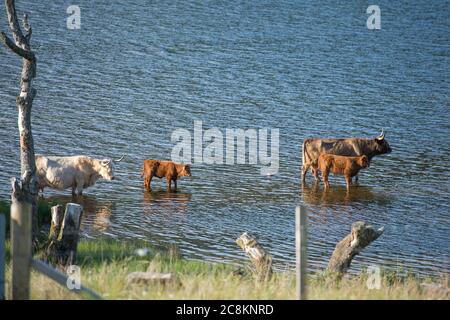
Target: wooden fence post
pixel 21 249
pixel 2 256
pixel 301 234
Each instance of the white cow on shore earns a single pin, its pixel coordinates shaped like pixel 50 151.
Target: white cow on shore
pixel 75 172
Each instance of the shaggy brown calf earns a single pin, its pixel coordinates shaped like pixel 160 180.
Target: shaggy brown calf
pixel 168 169
pixel 347 166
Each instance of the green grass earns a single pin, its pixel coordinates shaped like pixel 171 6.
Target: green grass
pixel 105 265
pixel 44 212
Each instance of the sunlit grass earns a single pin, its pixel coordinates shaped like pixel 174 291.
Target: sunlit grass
pixel 105 265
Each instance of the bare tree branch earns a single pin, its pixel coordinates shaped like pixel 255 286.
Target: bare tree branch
pixel 27 27
pixel 16 49
pixel 14 25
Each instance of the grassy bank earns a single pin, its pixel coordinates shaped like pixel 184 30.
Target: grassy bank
pixel 44 212
pixel 106 264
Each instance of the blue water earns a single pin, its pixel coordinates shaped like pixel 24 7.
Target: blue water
pixel 139 70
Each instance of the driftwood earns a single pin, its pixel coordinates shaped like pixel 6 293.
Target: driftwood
pixel 152 278
pixel 360 237
pixel 63 236
pixel 26 189
pixel 261 259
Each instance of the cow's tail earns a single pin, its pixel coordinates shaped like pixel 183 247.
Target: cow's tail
pixel 142 170
pixel 305 159
pixel 305 156
pixel 303 152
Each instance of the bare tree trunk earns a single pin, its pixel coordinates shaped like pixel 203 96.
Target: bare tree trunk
pixel 26 188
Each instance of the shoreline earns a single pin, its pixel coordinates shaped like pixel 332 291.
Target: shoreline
pixel 105 265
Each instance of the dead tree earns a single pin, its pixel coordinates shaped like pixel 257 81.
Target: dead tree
pixel 261 259
pixel 360 237
pixel 24 189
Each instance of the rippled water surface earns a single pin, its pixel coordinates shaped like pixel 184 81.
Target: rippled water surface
pixel 138 70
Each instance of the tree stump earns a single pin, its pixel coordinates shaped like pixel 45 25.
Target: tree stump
pixel 64 234
pixel 260 258
pixel 360 237
pixel 55 227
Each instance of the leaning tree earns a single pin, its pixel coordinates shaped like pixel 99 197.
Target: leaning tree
pixel 24 189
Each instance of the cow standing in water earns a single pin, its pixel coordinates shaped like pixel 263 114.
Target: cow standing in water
pixel 346 166
pixel 164 169
pixel 76 172
pixel 352 147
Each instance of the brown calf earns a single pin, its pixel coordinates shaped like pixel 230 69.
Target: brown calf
pixel 347 166
pixel 168 169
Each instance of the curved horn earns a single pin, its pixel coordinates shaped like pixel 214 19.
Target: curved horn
pixel 118 160
pixel 105 162
pixel 381 136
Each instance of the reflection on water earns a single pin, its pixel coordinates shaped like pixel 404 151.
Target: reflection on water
pixel 96 214
pixel 169 202
pixel 316 194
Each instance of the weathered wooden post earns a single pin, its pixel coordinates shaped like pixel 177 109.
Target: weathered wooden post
pixel 2 256
pixel 20 248
pixel 301 235
pixel 64 234
pixel 69 235
pixel 55 225
pixel 360 237
pixel 260 258
pixel 51 250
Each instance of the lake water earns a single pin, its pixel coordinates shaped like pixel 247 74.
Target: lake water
pixel 137 71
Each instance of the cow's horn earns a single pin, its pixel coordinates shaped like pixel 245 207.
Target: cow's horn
pixel 381 136
pixel 118 160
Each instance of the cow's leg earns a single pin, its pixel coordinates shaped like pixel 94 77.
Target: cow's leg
pixel 148 182
pixel 315 172
pixel 305 168
pixel 175 184
pixel 79 182
pixel 169 183
pixel 356 178
pixel 348 180
pixel 79 190
pixel 145 182
pixel 325 178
